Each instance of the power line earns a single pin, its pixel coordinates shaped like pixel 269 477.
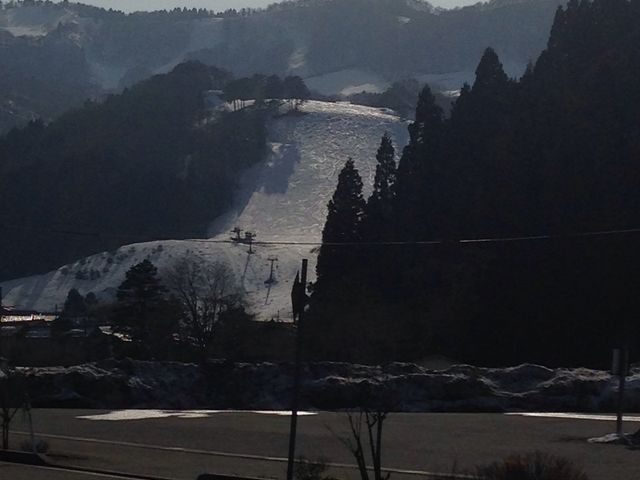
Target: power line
pixel 463 241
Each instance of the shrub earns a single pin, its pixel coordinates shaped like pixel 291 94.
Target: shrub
pixel 311 470
pixel 532 466
pixel 41 446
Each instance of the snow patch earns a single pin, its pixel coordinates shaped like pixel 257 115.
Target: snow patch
pixel 575 416
pixel 27 31
pixel 365 87
pixel 144 414
pixel 351 80
pixel 298 59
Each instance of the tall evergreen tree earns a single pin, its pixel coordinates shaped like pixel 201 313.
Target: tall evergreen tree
pixel 385 170
pixel 478 151
pixel 378 211
pixel 74 308
pixel 75 305
pixel 490 75
pixel 429 119
pixel 141 302
pixel 418 163
pixel 346 209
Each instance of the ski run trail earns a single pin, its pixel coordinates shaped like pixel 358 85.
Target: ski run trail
pixel 282 199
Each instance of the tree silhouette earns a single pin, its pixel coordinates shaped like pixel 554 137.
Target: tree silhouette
pixel 551 156
pixel 490 74
pixel 346 209
pixel 206 293
pixel 75 305
pixel 142 306
pixel 378 209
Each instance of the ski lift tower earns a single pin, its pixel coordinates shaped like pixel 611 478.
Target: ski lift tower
pixel 271 280
pixel 248 238
pixel 237 238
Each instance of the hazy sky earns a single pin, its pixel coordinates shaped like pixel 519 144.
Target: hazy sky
pixel 217 5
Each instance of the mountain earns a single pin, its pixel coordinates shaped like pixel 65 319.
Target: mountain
pixel 42 76
pixel 156 160
pixel 343 46
pixel 282 199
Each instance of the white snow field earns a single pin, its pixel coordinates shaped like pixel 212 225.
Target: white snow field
pixel 283 199
pixel 347 82
pixel 33 21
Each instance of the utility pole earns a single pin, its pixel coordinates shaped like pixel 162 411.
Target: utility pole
pixel 1 310
pixel 237 231
pixel 271 280
pixel 300 291
pixel 620 368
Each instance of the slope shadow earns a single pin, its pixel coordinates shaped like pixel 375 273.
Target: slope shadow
pixel 270 177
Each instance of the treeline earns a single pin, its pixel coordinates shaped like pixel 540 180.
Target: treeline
pixel 149 163
pixel 183 12
pixel 553 158
pixel 263 87
pixel 191 310
pixel 400 97
pixel 84 47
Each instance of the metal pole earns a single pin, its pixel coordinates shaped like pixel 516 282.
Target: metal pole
pixel 622 377
pixel 272 260
pixel 296 382
pixel 1 310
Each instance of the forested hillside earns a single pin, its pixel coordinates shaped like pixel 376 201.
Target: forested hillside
pixel 62 53
pixel 41 77
pixel 553 158
pixel 150 163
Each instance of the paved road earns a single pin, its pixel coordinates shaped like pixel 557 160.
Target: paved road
pixel 20 472
pixel 255 445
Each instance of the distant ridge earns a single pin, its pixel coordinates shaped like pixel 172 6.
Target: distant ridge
pixel 86 51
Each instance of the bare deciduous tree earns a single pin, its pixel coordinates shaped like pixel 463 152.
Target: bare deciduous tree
pixel 366 427
pixel 206 292
pixel 11 400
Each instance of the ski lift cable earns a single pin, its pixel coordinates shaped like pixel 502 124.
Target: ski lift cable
pixel 302 243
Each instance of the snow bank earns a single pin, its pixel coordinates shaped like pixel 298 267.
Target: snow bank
pixel 325 386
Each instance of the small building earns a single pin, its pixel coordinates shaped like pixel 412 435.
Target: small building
pixel 11 315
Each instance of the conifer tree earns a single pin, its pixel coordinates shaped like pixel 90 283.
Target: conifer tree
pixel 416 164
pixel 74 305
pixel 424 136
pixel 429 118
pixel 490 75
pixel 378 210
pixel 346 209
pixel 478 149
pixel 141 298
pixel 385 171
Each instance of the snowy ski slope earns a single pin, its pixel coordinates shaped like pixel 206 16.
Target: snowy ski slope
pixel 283 198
